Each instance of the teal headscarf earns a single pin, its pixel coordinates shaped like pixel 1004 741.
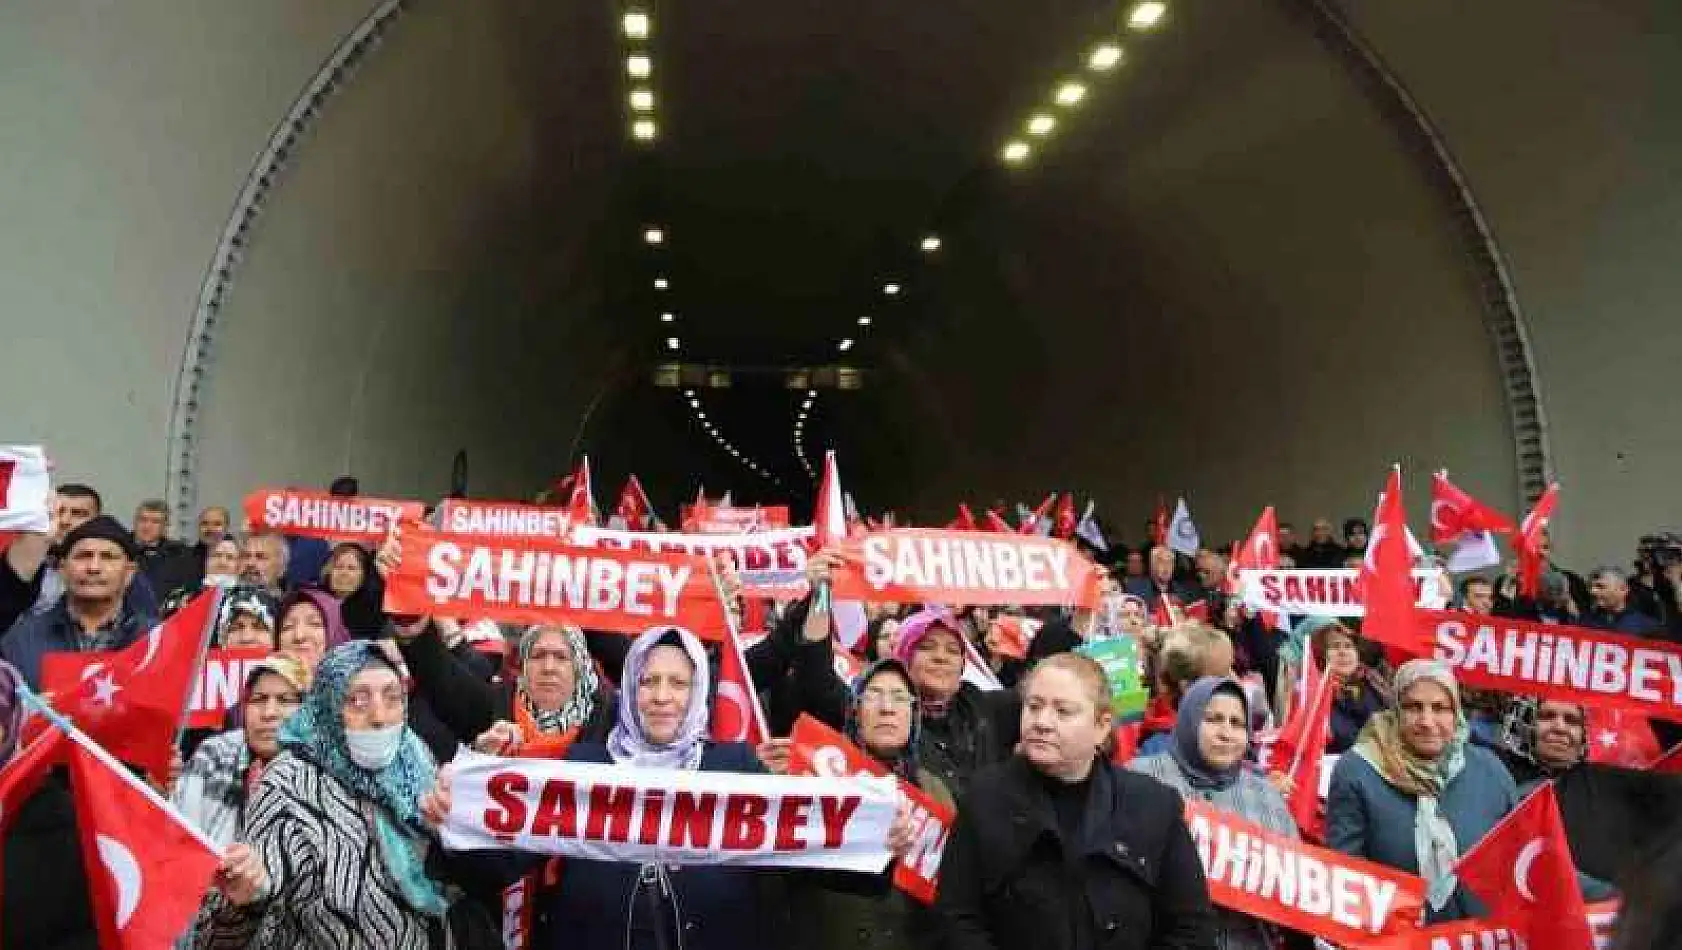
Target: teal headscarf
pixel 316 733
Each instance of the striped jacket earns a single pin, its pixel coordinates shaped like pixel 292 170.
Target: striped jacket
pixel 328 886
pixel 1253 798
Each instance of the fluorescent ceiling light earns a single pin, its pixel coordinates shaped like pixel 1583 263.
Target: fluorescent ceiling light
pixel 1071 93
pixel 1146 15
pixel 667 317
pixel 846 345
pixel 654 236
pixel 1015 152
pixel 671 343
pixel 891 290
pixel 931 244
pixel 811 394
pixel 642 100
pixel 1104 58
pixel 639 66
pixel 660 283
pixel 644 130
pixel 864 321
pixel 636 25
pixel 1041 125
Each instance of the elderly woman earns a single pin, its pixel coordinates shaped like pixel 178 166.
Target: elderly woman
pixel 555 699
pixel 1205 762
pixel 1413 793
pixel 1361 690
pixel 336 851
pixel 309 625
pixel 246 619
pixel 1058 849
pixel 856 912
pixel 217 782
pixel 599 905
pixel 221 569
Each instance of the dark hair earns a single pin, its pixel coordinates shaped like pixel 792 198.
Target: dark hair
pixel 1652 908
pixel 344 485
pixel 156 506
pixel 1350 524
pixel 78 490
pixel 1466 585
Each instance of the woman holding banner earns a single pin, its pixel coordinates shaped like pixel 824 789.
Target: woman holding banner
pixel 856 912
pixel 1205 762
pixel 336 852
pixel 1413 793
pixel 1058 849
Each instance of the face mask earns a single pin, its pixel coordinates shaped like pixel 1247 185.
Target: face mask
pixel 374 748
pixel 220 580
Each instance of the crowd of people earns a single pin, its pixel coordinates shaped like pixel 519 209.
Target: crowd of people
pixel 328 786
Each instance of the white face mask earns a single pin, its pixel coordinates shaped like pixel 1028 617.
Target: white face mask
pixel 220 580
pixel 374 748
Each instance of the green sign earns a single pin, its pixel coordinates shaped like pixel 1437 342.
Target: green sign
pixel 1119 656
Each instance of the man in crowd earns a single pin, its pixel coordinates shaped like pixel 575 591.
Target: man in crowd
pixel 1159 589
pixel 1610 608
pixel 29 577
pixel 165 562
pixel 213 525
pixel 1322 552
pixel 262 561
pixel 1288 546
pixel 96 566
pixel 1477 595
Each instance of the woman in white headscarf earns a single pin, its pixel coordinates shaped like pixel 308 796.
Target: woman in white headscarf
pixel 1413 794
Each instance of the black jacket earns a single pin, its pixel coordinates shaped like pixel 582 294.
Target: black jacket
pixel 1133 881
pixel 45 888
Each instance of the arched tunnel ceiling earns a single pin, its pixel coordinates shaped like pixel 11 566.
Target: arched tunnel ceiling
pixel 1226 275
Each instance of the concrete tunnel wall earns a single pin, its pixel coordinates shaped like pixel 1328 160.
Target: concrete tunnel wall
pixel 423 278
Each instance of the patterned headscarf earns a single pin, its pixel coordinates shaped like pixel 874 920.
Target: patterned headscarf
pixel 628 744
pixel 248 599
pixel 316 732
pixel 582 702
pixel 11 710
pixel 1381 745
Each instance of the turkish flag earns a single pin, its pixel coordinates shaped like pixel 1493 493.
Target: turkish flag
pixel 581 503
pixel 1259 553
pixel 965 520
pixel 996 522
pixel 1013 636
pixel 1159 522
pixel 829 517
pixel 23 775
pixel 132 701
pixel 633 505
pixel 1066 521
pixel 1386 578
pixel 1522 870
pixel 1619 737
pixel 1301 746
pixel 157 868
pixel 1528 544
pixel 1455 514
pixel 736 714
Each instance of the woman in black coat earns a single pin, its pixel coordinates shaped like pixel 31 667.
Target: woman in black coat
pixel 1058 849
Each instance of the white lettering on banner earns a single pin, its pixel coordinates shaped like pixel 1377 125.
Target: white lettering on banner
pixel 219 684
pixel 515 521
pixel 1294 879
pixel 769 559
pixel 1556 658
pixel 613 813
pixel 544 579
pixel 965 563
pixel 330 514
pixel 1325 593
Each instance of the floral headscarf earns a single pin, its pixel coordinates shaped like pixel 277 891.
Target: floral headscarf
pixel 316 733
pixel 246 599
pixel 628 744
pixel 582 702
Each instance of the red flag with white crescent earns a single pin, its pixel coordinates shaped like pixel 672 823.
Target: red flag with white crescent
pixel 1528 544
pixel 1455 514
pixel 1522 869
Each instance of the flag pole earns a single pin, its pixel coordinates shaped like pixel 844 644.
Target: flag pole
pixel 735 645
pixel 198 664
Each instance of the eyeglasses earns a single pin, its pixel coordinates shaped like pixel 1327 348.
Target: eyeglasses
pixel 363 700
pixel 886 698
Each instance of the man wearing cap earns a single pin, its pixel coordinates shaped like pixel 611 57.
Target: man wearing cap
pixel 97 566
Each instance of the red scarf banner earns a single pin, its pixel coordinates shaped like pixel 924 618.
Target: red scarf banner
pixel 1489 935
pixel 220 683
pixel 912 565
pixel 1347 901
pixel 316 514
pixel 820 750
pixel 769 563
pixel 531 581
pixel 724 519
pixel 502 519
pixel 1553 661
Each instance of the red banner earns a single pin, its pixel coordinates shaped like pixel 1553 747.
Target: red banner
pixel 820 750
pixel 1570 664
pixel 721 519
pixel 502 519
pixel 1347 901
pixel 532 581
pixel 316 514
pixel 1479 934
pixel 911 565
pixel 769 563
pixel 219 684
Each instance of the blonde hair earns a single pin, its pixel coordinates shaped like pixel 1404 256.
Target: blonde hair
pixel 1083 668
pixel 1183 653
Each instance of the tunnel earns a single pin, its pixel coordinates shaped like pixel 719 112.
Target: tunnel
pixel 1250 253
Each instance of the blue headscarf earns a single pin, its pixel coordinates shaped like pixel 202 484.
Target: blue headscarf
pixel 905 766
pixel 1185 748
pixel 628 744
pixel 316 733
